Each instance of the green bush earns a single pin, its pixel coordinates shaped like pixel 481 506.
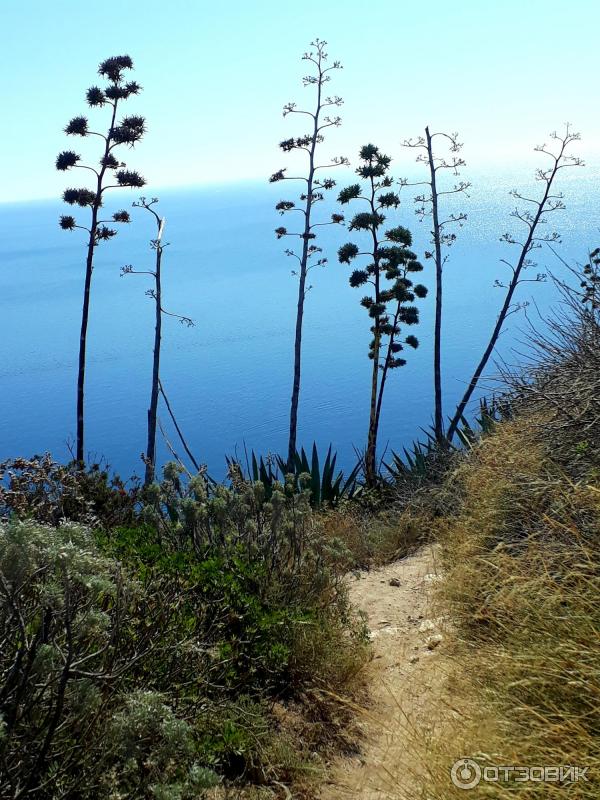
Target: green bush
pixel 259 570
pixel 144 661
pixel 206 518
pixel 72 639
pixel 41 489
pixel 151 752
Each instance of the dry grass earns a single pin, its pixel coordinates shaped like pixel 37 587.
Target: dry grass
pixel 522 580
pixel 516 680
pixel 368 539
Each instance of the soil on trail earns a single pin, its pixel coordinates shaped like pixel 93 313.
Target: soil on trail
pixel 405 679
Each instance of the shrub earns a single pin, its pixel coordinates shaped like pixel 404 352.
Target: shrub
pixel 150 752
pixel 212 519
pixel 152 686
pixel 143 661
pixel 41 489
pixel 366 537
pixel 522 573
pixel 64 616
pixel 260 570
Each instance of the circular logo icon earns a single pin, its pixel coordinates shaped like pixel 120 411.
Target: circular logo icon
pixel 465 773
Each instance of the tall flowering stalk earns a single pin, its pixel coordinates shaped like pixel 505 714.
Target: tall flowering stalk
pixel 532 216
pixel 309 255
pixel 156 293
pixel 443 236
pixel 109 173
pixel 390 262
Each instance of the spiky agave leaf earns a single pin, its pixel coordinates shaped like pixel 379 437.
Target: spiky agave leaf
pixel 315 476
pixel 326 484
pixel 324 488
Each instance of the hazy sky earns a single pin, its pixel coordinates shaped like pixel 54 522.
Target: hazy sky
pixel 215 75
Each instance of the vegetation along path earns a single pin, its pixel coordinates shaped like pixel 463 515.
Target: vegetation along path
pixel 406 674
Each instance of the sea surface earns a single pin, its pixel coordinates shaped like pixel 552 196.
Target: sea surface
pixel 229 377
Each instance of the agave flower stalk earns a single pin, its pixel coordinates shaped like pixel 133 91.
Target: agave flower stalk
pixel 156 293
pixel 109 173
pixel 532 216
pixel 390 262
pixel 429 204
pixel 309 255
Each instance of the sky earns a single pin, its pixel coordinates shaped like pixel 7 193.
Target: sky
pixel 503 73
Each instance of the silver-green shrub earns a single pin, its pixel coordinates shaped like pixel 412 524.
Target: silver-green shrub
pixel 72 722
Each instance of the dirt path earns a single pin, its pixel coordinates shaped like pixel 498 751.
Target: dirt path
pixel 406 670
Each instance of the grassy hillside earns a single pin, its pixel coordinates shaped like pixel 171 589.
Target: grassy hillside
pixel 521 585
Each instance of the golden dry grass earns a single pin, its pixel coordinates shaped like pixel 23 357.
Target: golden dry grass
pixel 522 576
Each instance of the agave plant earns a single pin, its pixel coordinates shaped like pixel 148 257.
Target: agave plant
pixel 490 413
pixel 326 486
pixel 415 462
pixel 264 471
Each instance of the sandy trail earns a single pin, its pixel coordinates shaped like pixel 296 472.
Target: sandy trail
pixel 404 678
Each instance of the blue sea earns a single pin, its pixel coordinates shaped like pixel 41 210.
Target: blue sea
pixel 229 377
